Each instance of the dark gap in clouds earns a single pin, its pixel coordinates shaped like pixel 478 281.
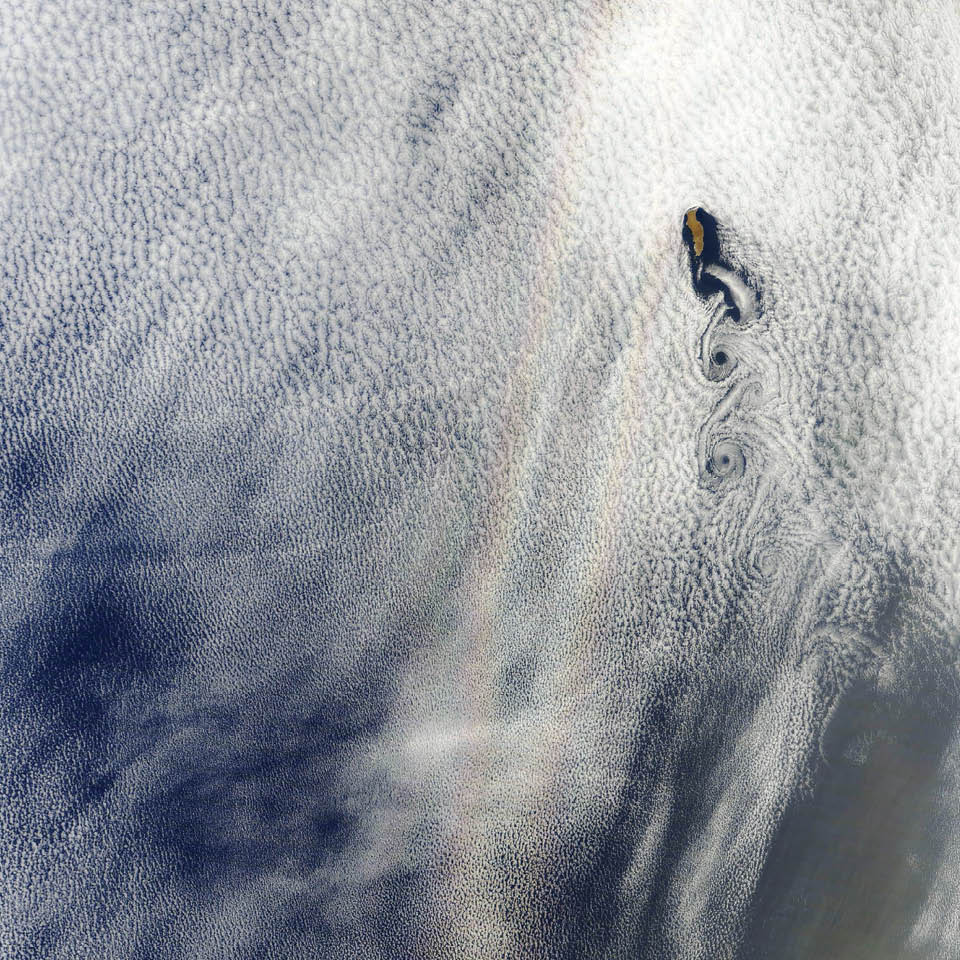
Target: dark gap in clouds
pixel 251 798
pixel 94 645
pixel 89 641
pixel 30 468
pixel 261 784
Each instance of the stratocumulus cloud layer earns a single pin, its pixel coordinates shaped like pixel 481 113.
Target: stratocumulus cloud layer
pixel 479 480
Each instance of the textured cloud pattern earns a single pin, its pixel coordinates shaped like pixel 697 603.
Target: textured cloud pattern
pixel 422 537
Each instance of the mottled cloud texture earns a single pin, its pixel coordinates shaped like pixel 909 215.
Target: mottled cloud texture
pixel 372 581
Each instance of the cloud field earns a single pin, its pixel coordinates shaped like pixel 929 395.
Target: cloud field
pixel 412 546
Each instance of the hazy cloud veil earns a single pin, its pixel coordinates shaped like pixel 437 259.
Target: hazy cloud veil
pixel 479 480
